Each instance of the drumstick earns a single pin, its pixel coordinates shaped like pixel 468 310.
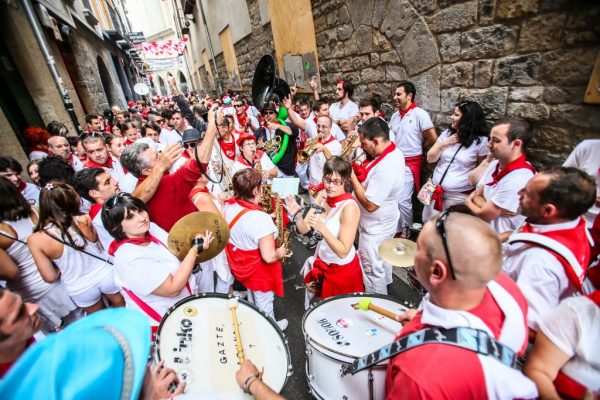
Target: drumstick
pixel 232 305
pixel 366 304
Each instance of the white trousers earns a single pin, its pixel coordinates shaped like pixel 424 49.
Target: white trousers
pixel 405 202
pixel 377 274
pixel 263 300
pixel 302 171
pixel 449 199
pixel 205 280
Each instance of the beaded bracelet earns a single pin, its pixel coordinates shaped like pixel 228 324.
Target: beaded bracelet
pixel 249 381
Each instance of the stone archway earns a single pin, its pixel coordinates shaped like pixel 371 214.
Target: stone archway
pixel 106 81
pixel 161 86
pixel 183 85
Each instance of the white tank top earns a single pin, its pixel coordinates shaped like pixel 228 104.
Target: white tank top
pixel 80 271
pixel 29 285
pixel 332 222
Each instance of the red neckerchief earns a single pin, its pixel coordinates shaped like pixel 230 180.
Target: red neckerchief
pixel 92 164
pixel 185 154
pixel 243 161
pixel 403 113
pixel 228 148
pixel 94 210
pixel 243 120
pixel 332 201
pixel 362 170
pixel 519 163
pixel 71 158
pixel 331 139
pixel 114 246
pixel 315 119
pixel 574 239
pixel 244 203
pixel 22 186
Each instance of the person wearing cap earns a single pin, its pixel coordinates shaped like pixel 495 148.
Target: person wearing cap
pixel 286 166
pixel 103 356
pixel 251 157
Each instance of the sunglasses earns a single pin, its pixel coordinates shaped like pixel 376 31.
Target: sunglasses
pixel 440 225
pixel 189 145
pixel 113 201
pixel 238 105
pixel 268 113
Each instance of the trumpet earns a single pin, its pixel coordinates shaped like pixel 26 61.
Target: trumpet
pixel 348 149
pixel 309 149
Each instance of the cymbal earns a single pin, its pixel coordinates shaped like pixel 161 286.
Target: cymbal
pixel 184 230
pixel 398 252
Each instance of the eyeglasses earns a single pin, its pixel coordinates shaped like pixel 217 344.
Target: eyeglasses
pixel 238 105
pixel 440 225
pixel 322 126
pixel 113 201
pixel 336 182
pixel 189 145
pixel 268 113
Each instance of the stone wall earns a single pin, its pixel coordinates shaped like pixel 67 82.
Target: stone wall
pixel 517 58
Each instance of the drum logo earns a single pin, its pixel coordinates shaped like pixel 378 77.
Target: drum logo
pixel 332 332
pixel 185 337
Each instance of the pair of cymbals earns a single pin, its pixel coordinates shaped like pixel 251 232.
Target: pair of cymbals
pixel 184 230
pixel 398 252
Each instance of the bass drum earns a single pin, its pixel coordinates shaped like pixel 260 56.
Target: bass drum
pixel 197 340
pixel 336 334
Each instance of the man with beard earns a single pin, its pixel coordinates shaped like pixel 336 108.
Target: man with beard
pixel 548 255
pixel 343 111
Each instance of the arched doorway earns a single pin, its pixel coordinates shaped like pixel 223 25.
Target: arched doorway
pixel 182 82
pixel 106 81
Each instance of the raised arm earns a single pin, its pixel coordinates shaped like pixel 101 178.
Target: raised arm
pixel 145 190
pixel 295 118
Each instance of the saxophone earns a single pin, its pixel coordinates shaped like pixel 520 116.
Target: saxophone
pixel 266 203
pixel 283 234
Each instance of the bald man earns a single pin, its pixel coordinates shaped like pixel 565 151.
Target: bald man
pixel 59 145
pixel 466 290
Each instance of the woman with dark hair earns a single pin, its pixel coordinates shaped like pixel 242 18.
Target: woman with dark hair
pixel 152 278
pixel 457 151
pixel 253 257
pixel 33 169
pixel 17 220
pixel 115 144
pixel 64 244
pixel 130 132
pixel 335 268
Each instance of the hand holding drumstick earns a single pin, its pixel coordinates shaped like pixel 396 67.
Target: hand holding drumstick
pixel 366 304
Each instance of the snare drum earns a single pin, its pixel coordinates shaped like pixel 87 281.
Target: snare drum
pixel 196 339
pixel 336 334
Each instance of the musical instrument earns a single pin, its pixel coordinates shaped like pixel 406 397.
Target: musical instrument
pixel 271 147
pixel 184 230
pixel 336 334
pixel 305 154
pixel 196 338
pixel 366 304
pixel 398 252
pixel 283 234
pixel 347 149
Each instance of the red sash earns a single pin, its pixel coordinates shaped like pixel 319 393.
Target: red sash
pixel 362 170
pixel 250 269
pixel 514 165
pixel 564 384
pixel 337 279
pixel 576 241
pixel 415 163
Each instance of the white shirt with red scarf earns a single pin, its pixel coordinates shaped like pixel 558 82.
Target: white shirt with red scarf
pixel 408 130
pixel 240 163
pixel 461 373
pixel 539 273
pixel 574 327
pixel 317 161
pixel 586 156
pixel 112 166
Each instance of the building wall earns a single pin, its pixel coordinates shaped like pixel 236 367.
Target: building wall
pixel 517 58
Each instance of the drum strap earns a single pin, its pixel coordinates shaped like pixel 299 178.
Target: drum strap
pixel 145 307
pixel 475 340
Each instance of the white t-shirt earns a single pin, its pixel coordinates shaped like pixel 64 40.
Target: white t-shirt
pixel 128 183
pixel 574 328
pixel 466 160
pixel 265 163
pixel 170 137
pixel 37 155
pixel 337 112
pixel 103 236
pixel 117 171
pixel 250 228
pixel 142 269
pixel 77 164
pixel 254 124
pixel 31 193
pixel 586 156
pixel 311 130
pixel 539 275
pixel 408 131
pixel 383 186
pixel 317 162
pixel 505 195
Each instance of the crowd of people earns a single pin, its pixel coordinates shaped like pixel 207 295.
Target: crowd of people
pixel 504 249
